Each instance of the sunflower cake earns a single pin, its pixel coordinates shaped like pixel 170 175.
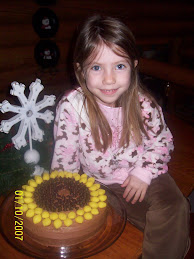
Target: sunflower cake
pixel 63 208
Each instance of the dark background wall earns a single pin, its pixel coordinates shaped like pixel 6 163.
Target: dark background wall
pixel 163 29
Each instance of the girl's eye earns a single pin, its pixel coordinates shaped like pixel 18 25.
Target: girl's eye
pixel 120 66
pixel 96 68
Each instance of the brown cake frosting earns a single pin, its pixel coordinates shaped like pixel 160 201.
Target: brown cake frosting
pixel 65 236
pixel 62 208
pixel 61 194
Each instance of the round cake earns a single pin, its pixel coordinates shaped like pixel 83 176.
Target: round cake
pixel 63 208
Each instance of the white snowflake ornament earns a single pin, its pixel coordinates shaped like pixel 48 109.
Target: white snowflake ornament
pixel 31 156
pixel 38 170
pixel 27 114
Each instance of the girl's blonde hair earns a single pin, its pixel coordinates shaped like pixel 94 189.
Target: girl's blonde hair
pixel 98 30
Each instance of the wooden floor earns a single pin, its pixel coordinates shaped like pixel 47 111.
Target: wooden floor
pixel 181 167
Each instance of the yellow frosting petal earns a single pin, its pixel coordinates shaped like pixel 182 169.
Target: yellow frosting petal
pixel 30 188
pixel 91 179
pixel 95 199
pixel 46 222
pixel 30 213
pixel 37 219
pixel 102 204
pixel 101 191
pixel 94 193
pixel 89 184
pixel 32 183
pixel 53 216
pixel 57 223
pixel 69 175
pixel 28 200
pixel 68 222
pixel 53 174
pixel 93 204
pixel 24 187
pixel 45 176
pixel 24 207
pixel 77 177
pixel 32 205
pixel 61 174
pixel 79 219
pixel 62 216
pixel 84 176
pixel 45 214
pixel 95 211
pixel 28 194
pixel 87 208
pixel 71 215
pixel 83 180
pixel 102 197
pixel 38 211
pixel 88 216
pixel 80 212
pixel 38 179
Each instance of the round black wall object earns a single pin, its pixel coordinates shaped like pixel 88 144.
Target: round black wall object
pixel 46 2
pixel 45 23
pixel 46 53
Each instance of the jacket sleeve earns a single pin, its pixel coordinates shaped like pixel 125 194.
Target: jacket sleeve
pixel 66 135
pixel 155 152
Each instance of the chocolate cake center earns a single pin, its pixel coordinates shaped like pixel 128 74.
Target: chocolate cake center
pixel 64 192
pixel 61 194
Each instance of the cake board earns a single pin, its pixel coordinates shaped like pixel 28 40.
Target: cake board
pixel 115 224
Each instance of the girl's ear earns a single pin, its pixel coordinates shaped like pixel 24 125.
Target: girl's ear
pixel 80 71
pixel 135 63
pixel 78 67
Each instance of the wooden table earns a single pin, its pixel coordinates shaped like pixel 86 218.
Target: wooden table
pixel 181 167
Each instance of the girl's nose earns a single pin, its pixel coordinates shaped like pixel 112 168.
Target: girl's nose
pixel 109 78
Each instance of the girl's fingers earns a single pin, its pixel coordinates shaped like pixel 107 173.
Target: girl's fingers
pixel 127 190
pixel 125 183
pixel 142 195
pixel 136 197
pixel 130 194
pixel 135 189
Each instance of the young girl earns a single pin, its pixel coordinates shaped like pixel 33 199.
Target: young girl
pixel 111 128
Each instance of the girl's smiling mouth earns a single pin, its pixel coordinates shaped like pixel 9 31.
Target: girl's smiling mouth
pixel 108 92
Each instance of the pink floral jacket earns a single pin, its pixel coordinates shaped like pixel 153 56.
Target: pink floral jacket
pixel 74 145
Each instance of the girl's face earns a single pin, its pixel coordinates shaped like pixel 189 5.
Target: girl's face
pixel 108 76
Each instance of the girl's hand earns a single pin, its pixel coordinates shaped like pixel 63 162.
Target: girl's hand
pixel 134 188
